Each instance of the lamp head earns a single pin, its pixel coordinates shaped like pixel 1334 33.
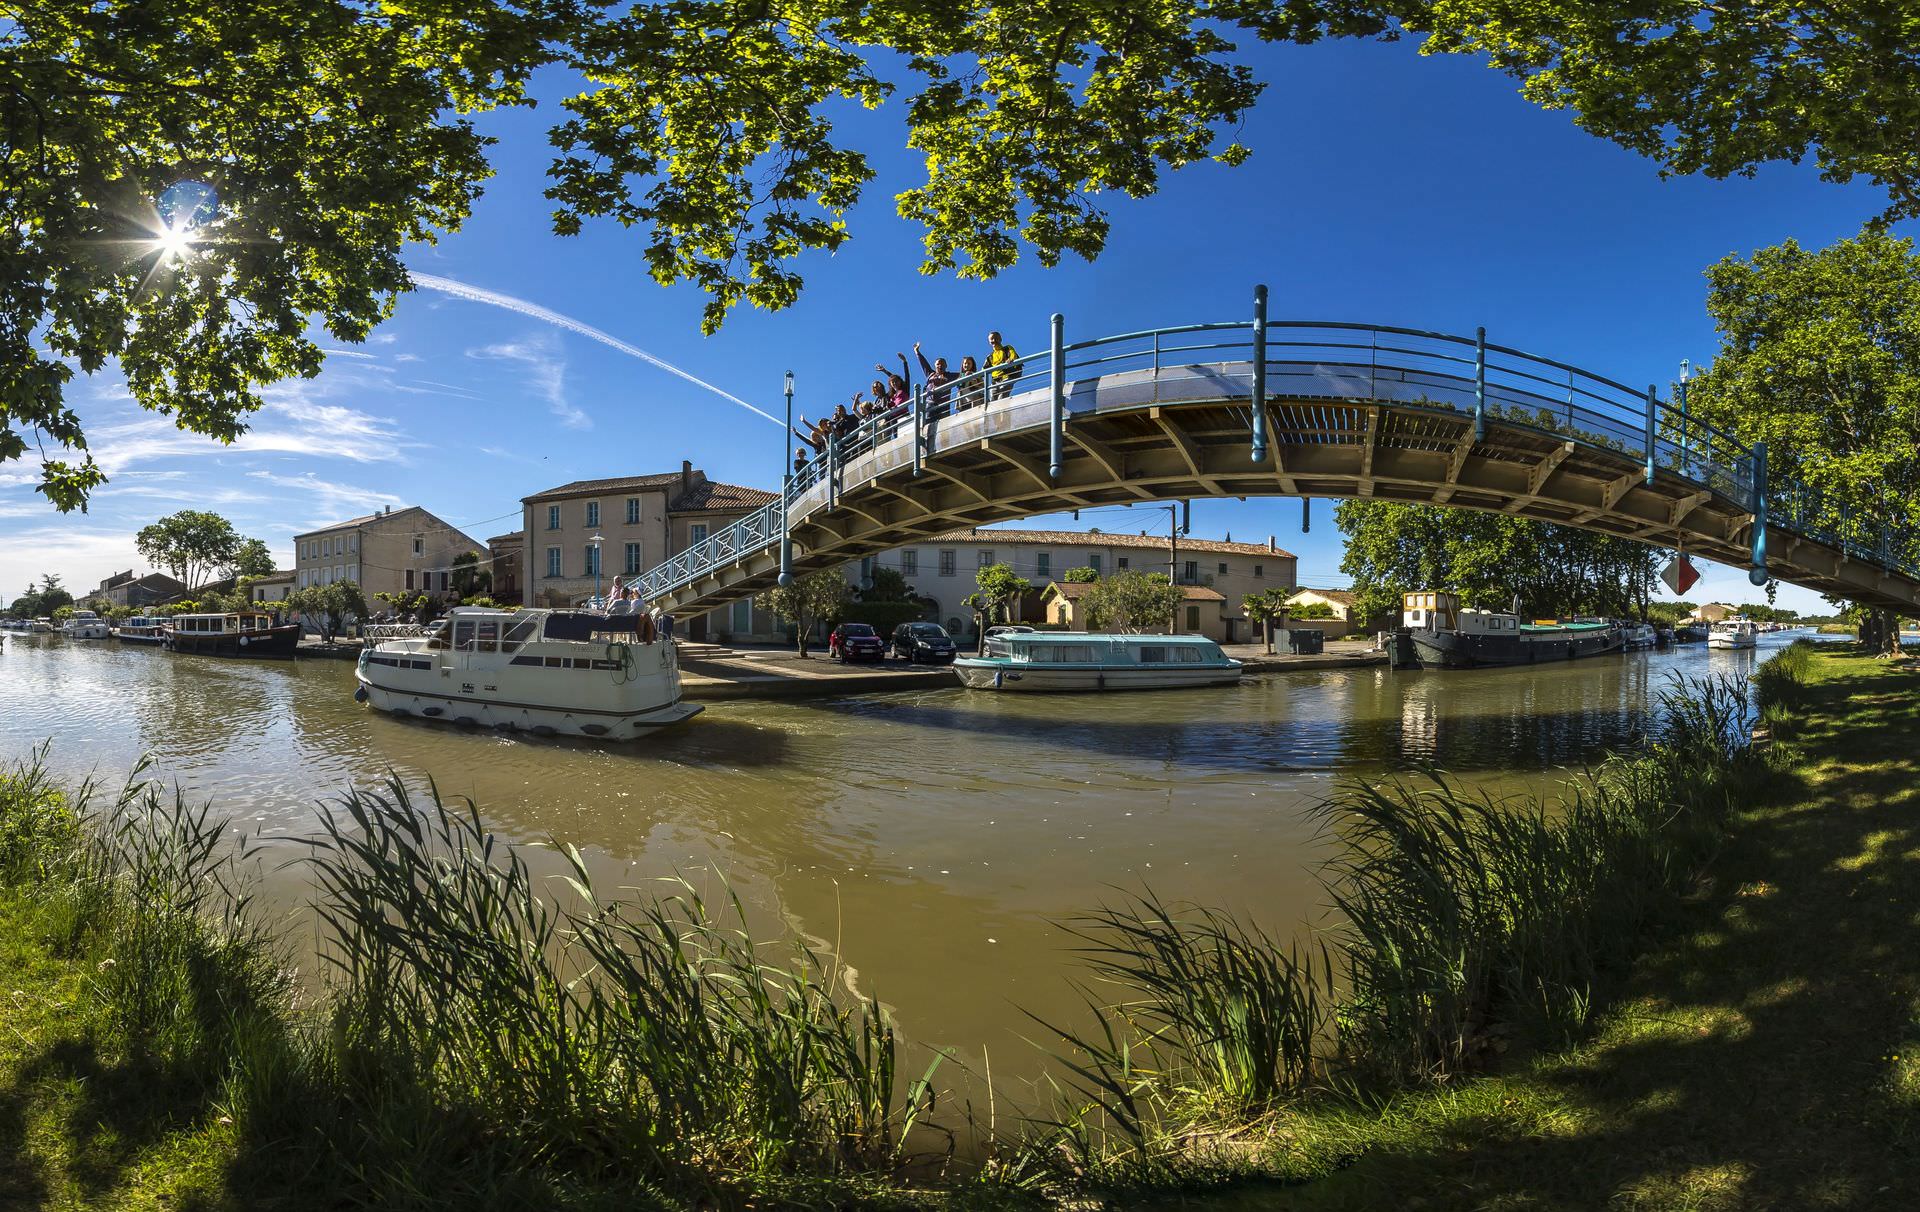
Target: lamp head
pixel 789 383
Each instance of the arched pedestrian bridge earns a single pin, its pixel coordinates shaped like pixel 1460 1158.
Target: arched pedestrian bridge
pixel 1349 410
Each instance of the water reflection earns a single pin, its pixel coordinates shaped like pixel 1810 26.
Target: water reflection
pixel 932 838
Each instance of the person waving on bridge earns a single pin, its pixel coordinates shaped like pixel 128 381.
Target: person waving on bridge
pixel 937 376
pixel 1003 361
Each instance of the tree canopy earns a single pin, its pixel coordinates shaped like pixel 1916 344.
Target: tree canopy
pixel 1820 357
pixel 1490 560
pixel 189 189
pixel 1131 601
pixel 194 544
pixel 819 596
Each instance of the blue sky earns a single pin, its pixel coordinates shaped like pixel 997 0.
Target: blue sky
pixel 1384 187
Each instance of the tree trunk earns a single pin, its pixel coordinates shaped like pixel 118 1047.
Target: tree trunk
pixel 1269 629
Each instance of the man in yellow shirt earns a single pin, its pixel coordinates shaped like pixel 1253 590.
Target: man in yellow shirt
pixel 1003 363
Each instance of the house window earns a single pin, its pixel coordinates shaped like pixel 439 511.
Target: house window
pixel 553 565
pixel 593 514
pixel 1193 571
pixel 1259 570
pixel 946 563
pixel 1122 562
pixel 985 556
pixel 1043 564
pixel 1093 562
pixel 446 581
pixel 409 580
pixel 633 557
pixel 353 542
pixel 910 562
pixel 699 532
pixel 553 517
pixel 1223 569
pixel 593 561
pixel 633 510
pixel 419 545
pixel 326 547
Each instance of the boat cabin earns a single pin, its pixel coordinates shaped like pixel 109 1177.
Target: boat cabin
pixel 220 624
pixel 1085 648
pixel 1430 611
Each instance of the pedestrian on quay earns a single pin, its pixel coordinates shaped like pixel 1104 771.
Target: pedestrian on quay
pixel 1003 361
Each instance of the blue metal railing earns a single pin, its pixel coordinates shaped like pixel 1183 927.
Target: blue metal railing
pixel 1309 370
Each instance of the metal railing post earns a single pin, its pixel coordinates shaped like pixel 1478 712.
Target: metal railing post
pixel 1652 437
pixel 1480 384
pixel 833 469
pixel 1260 374
pixel 919 426
pixel 1758 573
pixel 1057 430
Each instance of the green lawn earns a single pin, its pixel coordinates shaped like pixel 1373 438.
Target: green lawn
pixel 1765 1053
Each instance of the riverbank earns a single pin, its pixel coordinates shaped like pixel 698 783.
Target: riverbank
pixel 1764 1055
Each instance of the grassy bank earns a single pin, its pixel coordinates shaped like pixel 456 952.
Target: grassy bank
pixel 475 1045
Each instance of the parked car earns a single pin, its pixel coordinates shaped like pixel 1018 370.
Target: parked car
pixel 1006 629
pixel 856 642
pixel 923 643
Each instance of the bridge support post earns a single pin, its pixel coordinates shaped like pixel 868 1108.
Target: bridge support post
pixel 1260 374
pixel 919 426
pixel 1480 384
pixel 1652 436
pixel 1758 573
pixel 1057 428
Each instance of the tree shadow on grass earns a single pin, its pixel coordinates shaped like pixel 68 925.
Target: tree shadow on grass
pixel 1767 1054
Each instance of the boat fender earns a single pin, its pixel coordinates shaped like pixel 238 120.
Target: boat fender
pixel 360 694
pixel 998 675
pixel 243 641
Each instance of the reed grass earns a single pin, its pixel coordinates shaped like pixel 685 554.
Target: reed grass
pixel 1464 918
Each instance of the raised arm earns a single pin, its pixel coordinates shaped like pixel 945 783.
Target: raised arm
pixel 906 372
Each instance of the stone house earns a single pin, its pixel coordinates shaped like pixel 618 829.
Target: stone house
pixel 394 551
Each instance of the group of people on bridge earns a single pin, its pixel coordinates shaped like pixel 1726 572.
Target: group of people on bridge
pixel 892 394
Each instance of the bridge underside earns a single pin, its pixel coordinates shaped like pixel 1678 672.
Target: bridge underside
pixel 992 465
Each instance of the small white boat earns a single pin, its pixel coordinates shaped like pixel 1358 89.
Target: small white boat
pixel 85 625
pixel 1733 633
pixel 610 677
pixel 1640 635
pixel 41 625
pixel 1077 660
pixel 141 629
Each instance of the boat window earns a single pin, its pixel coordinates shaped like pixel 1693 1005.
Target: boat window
pixel 1061 654
pixel 520 629
pixel 999 648
pixel 489 635
pixel 1153 654
pixel 463 635
pixel 1187 654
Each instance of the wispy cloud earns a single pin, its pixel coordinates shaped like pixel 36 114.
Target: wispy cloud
pixel 333 500
pixel 527 308
pixel 546 373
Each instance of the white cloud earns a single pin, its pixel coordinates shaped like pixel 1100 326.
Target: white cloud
pixel 546 371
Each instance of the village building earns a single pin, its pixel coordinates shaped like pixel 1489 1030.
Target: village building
pixel 577 537
pixel 1343 620
pixel 505 551
pixel 125 589
pixel 1201 610
pixel 394 551
pixel 274 587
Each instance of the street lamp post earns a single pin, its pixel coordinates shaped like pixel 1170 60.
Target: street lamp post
pixel 786 492
pixel 596 540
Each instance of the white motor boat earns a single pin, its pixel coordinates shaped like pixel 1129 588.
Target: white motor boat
pixel 1077 660
pixel 86 625
pixel 1733 633
pixel 546 672
pixel 1640 635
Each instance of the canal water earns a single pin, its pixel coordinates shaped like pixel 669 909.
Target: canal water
pixel 933 840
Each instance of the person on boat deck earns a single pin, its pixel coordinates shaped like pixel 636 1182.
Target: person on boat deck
pixel 1004 361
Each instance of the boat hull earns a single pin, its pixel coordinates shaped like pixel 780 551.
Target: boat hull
pixel 1453 650
pixel 270 642
pixel 999 675
pixel 1732 641
pixel 154 638
pixel 398 694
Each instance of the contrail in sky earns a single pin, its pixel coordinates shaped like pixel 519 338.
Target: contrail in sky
pixel 461 290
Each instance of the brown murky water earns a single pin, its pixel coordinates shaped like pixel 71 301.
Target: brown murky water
pixel 932 839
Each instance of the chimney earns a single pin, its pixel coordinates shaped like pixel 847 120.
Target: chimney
pixel 1270 544
pixel 686 475
pixel 387 510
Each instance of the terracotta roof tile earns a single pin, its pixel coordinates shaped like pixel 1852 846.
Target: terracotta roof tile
pixel 710 494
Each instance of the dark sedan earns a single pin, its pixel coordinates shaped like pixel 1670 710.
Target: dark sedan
pixel 856 642
pixel 923 644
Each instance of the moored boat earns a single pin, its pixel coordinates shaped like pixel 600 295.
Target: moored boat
pixel 1639 635
pixel 1075 660
pixel 141 629
pixel 1447 636
pixel 1733 633
pixel 610 677
pixel 85 625
pixel 244 635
